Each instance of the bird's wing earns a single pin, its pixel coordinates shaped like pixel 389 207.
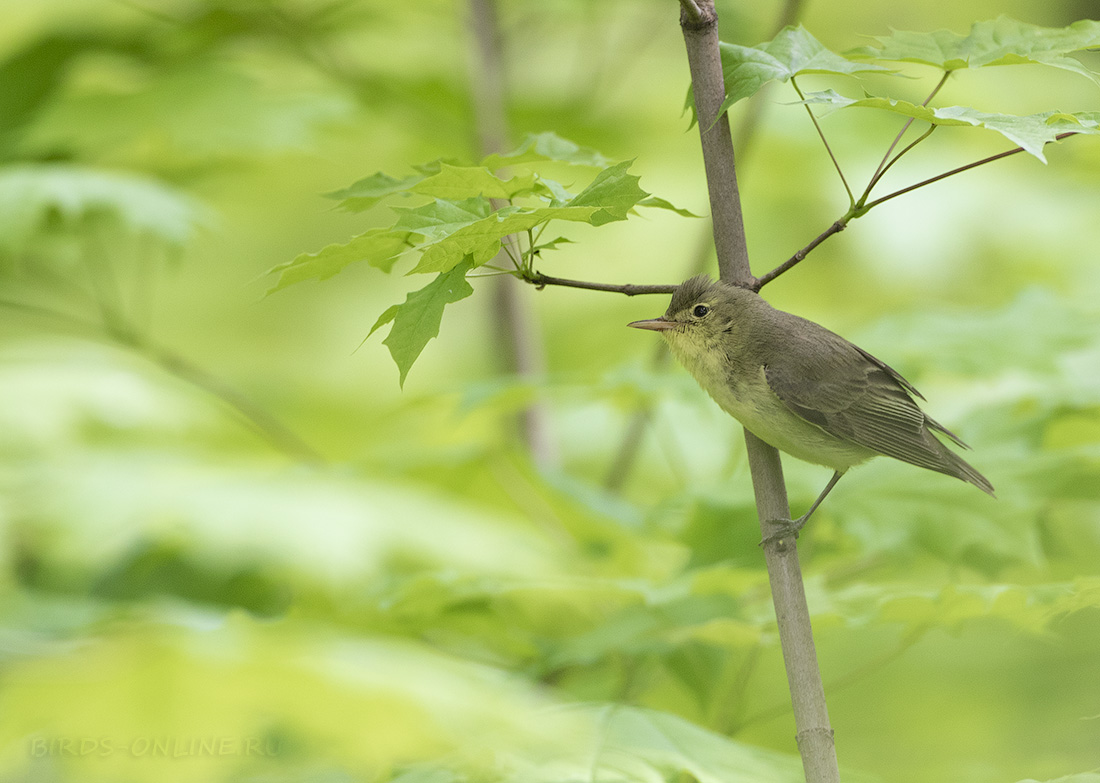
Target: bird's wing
pixel 855 397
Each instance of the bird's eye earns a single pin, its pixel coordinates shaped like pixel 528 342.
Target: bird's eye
pixel 700 311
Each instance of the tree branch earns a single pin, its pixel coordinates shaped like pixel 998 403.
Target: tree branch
pixel 540 281
pixel 814 734
pixel 705 62
pixel 747 130
pixel 838 226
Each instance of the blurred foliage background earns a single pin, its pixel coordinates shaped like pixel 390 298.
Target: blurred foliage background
pixel 233 549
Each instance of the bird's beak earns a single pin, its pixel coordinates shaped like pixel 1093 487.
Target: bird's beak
pixel 654 324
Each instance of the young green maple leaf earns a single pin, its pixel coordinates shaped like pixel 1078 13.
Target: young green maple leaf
pixel 416 321
pixel 793 51
pixel 1000 41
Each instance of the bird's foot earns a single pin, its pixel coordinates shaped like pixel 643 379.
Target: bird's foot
pixel 784 528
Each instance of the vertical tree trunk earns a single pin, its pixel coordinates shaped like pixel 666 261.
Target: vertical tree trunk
pixel 514 323
pixel 699 22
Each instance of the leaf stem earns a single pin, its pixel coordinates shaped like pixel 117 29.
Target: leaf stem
pixel 529 256
pixel 859 210
pixel 882 173
pixel 883 165
pixel 538 236
pixel 821 133
pixel 958 170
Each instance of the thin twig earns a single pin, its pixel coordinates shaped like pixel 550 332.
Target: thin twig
pixel 863 209
pixel 540 281
pixel 693 11
pixel 839 225
pixel 821 133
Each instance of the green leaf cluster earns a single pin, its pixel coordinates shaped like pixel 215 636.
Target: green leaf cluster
pixel 473 214
pixel 1003 41
pixel 792 52
pixel 1000 41
pixel 1032 132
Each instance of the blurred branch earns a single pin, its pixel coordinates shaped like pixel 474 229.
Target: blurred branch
pixel 841 682
pixel 750 120
pixel 631 443
pixel 514 320
pixel 262 420
pixel 115 331
pixel 630 446
pixel 728 695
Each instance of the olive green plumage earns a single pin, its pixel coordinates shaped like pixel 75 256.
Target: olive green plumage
pixel 798 386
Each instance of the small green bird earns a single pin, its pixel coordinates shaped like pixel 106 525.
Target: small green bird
pixel 801 388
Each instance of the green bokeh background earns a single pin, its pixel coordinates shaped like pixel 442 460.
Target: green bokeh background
pixel 181 599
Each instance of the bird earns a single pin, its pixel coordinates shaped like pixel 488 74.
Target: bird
pixel 800 387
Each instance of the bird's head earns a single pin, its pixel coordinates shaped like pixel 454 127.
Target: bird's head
pixel 702 315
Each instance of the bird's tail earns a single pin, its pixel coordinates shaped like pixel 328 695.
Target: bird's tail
pixel 961 469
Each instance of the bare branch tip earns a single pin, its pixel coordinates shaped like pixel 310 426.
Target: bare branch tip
pixel 697 13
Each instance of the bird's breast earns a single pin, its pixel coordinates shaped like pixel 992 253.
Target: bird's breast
pixel 744 393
